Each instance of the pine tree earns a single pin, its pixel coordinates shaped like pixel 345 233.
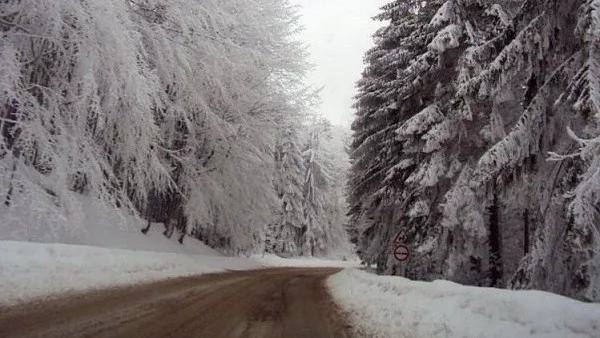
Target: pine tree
pixel 374 148
pixel 289 184
pixel 319 201
pixel 539 60
pixel 432 133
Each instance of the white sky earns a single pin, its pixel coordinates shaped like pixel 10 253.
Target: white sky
pixel 339 33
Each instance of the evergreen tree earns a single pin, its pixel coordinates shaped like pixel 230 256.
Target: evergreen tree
pixel 289 184
pixel 488 91
pixel 374 149
pixel 430 137
pixel 317 190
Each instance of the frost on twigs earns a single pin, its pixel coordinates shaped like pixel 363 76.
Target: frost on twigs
pixel 121 100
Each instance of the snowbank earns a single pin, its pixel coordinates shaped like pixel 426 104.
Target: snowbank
pixel 386 306
pixel 98 247
pixel 92 223
pixel 32 270
pixel 309 262
pixel 29 271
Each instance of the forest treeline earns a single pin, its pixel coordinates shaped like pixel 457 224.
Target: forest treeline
pixel 191 113
pixel 476 134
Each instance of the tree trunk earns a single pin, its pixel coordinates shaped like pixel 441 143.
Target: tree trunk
pixel 9 194
pixel 526 232
pixel 495 238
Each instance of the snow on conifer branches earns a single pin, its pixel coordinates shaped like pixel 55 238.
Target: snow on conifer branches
pixel 477 136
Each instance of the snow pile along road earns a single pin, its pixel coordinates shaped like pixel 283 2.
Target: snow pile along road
pixel 272 260
pixel 30 271
pixel 33 270
pixel 94 224
pixel 386 306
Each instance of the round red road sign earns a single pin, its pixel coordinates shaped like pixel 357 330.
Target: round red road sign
pixel 401 253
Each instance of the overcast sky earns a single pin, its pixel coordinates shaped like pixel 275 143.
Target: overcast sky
pixel 339 33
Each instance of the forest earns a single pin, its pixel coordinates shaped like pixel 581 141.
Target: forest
pixel 188 113
pixel 476 135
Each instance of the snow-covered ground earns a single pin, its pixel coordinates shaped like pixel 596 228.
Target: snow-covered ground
pixel 96 247
pixel 32 270
pixel 276 261
pixel 385 306
pixel 92 223
pixel 108 250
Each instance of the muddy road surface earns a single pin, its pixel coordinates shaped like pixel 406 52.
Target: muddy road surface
pixel 262 303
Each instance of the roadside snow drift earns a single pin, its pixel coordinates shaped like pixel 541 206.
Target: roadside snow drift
pixel 272 260
pixel 30 271
pixel 33 270
pixel 385 306
pixel 92 223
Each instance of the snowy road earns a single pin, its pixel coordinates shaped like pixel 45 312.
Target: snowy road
pixel 290 302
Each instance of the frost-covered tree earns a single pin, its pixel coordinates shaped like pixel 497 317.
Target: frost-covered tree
pixel 317 180
pixel 498 85
pixel 310 185
pixel 374 150
pixel 440 139
pixel 421 118
pixel 583 231
pixel 334 148
pixel 67 78
pixel 289 181
pixel 323 214
pixel 527 67
pixel 135 101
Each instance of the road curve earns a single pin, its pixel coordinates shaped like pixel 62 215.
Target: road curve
pixel 262 303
